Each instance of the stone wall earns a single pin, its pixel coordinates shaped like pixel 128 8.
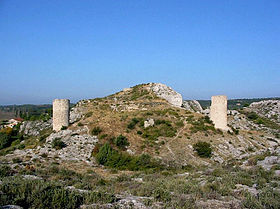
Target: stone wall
pixel 218 112
pixel 60 113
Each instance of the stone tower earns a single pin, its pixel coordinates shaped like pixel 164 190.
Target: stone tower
pixel 218 112
pixel 60 113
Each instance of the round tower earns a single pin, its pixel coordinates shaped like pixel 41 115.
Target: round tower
pixel 60 113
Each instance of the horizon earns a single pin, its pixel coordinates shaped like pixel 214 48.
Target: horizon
pixel 84 49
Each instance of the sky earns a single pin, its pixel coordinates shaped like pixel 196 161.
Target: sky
pixel 92 48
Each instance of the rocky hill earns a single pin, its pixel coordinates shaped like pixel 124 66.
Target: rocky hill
pixel 144 147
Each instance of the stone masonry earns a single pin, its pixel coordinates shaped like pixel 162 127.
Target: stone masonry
pixel 218 112
pixel 60 113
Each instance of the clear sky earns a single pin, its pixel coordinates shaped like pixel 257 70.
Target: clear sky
pixel 80 49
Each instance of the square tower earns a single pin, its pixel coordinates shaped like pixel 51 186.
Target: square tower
pixel 218 112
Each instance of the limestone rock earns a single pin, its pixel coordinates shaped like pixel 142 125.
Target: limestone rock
pixel 167 93
pixel 192 106
pixel 11 207
pixel 148 123
pixel 218 204
pixel 269 162
pixel 33 128
pixel 267 108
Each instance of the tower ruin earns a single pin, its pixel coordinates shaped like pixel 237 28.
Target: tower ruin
pixel 60 113
pixel 218 112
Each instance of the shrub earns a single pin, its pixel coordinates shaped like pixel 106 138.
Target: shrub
pixel 58 144
pixel 133 123
pixel 203 149
pixel 96 130
pixel 5 140
pixel 40 194
pixel 252 116
pixel 121 141
pixel 112 158
pixel 103 136
pixel 5 171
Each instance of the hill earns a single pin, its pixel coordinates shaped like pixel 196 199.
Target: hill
pixel 139 148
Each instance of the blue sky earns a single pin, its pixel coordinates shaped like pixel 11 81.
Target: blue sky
pixel 89 48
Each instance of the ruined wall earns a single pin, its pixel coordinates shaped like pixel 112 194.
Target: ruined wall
pixel 60 113
pixel 218 112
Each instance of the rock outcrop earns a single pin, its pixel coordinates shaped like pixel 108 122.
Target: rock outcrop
pixel 192 106
pixel 167 93
pixel 267 108
pixel 33 128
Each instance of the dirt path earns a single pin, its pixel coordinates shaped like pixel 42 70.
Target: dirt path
pixel 176 137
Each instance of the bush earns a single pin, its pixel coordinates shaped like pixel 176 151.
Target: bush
pixel 121 141
pixel 96 130
pixel 203 149
pixel 40 194
pixel 5 140
pixel 133 123
pixel 58 144
pixel 5 171
pixel 112 158
pixel 63 128
pixel 252 116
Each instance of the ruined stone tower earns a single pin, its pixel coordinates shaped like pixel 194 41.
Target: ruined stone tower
pixel 218 112
pixel 60 113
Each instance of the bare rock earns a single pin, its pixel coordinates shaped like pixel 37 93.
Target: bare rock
pixel 192 106
pixel 218 204
pixel 167 93
pixel 11 207
pixel 33 128
pixel 267 108
pixel 148 123
pixel 269 162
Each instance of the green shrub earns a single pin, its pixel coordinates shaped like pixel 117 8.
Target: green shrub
pixel 5 171
pixel 203 149
pixel 57 143
pixel 63 127
pixel 103 136
pixel 252 116
pixel 96 130
pixel 133 123
pixel 121 141
pixel 5 140
pixel 112 158
pixel 40 194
